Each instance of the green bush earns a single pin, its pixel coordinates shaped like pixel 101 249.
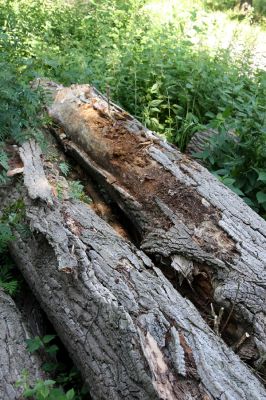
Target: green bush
pixel 159 70
pixel 221 4
pixel 258 6
pixel 66 383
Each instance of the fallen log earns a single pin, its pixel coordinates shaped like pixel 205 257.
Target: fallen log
pixel 187 220
pixel 14 356
pixel 130 333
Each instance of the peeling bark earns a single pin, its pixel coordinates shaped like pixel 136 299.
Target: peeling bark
pixel 180 210
pixel 14 357
pixel 130 333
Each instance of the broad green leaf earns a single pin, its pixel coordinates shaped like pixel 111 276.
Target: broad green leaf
pixel 262 176
pixel 34 344
pixel 48 338
pixel 155 103
pixel 52 349
pixel 70 394
pixel 154 88
pixel 261 197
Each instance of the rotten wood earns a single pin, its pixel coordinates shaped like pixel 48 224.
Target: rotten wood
pixel 186 219
pixel 131 334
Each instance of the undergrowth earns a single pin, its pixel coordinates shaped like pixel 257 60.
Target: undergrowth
pixel 11 217
pixel 159 63
pixel 66 384
pixel 177 66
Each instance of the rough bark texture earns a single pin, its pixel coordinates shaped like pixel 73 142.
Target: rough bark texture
pixel 14 357
pixel 199 141
pixel 185 217
pixel 131 334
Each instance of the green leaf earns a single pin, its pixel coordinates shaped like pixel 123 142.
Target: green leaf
pixel 228 181
pixel 70 394
pixel 262 176
pixel 49 382
pixel 48 338
pixel 5 236
pixel 52 349
pixel 49 366
pixel 44 392
pixel 34 344
pixel 155 103
pixel 4 160
pixel 65 168
pixel 261 197
pixel 154 88
pixel 28 393
pixel 236 190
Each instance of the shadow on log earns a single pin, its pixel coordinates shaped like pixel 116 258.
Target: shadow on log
pixel 130 333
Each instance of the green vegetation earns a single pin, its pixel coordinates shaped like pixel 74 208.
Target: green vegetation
pixel 163 61
pixel 8 282
pixel 64 168
pixel 76 191
pixel 256 9
pixel 12 215
pixel 65 385
pixel 178 66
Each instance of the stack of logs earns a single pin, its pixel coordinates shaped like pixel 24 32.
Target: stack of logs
pixel 176 310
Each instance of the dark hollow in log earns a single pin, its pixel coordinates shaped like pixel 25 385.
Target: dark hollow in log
pixel 130 333
pixel 14 356
pixel 186 218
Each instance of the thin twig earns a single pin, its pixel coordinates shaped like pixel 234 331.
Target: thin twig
pixel 241 341
pixel 232 309
pixel 108 99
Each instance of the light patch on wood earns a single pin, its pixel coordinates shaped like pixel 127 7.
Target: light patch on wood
pixel 163 380
pixel 14 171
pixel 34 176
pixel 74 227
pixel 177 352
pixel 215 237
pixel 183 266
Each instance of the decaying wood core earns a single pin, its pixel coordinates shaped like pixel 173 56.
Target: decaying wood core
pixel 124 155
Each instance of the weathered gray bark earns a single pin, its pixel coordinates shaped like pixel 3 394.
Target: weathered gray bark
pixel 199 140
pixel 131 334
pixel 185 217
pixel 14 357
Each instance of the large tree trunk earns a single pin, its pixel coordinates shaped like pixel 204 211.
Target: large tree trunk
pixel 131 334
pixel 14 357
pixel 186 219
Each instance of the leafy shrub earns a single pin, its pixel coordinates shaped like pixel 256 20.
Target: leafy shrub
pixel 221 4
pixel 8 282
pixel 162 71
pixel 58 388
pixel 258 7
pixel 241 162
pixel 45 390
